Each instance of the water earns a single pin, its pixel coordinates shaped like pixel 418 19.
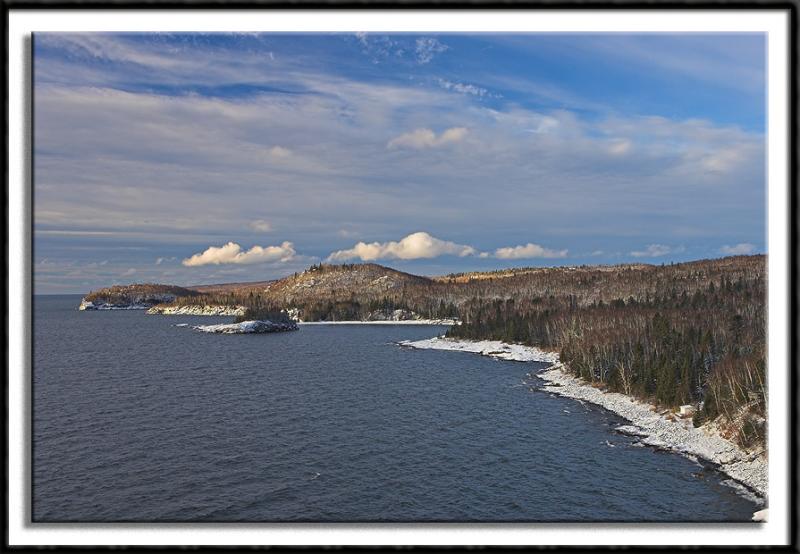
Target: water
pixel 136 419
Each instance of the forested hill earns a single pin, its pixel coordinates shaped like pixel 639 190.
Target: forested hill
pixel 672 334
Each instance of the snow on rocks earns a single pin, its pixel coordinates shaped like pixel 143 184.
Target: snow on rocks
pixel 656 430
pixel 247 327
pixel 88 305
pixel 493 348
pixel 384 322
pixel 197 310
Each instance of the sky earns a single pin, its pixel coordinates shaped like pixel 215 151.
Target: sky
pixel 206 158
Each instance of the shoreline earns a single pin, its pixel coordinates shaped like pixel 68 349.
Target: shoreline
pixel 746 469
pixel 383 322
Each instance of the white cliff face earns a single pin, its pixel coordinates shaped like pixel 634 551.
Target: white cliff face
pixel 247 327
pixel 197 310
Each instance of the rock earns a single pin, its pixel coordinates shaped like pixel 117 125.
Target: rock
pixel 248 327
pixel 761 515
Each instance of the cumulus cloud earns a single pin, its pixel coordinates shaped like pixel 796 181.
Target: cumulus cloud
pixel 414 246
pixel 161 260
pixel 427 48
pixel 231 253
pixel 739 249
pixel 261 225
pixel 425 138
pixel 130 271
pixel 656 251
pixel 529 250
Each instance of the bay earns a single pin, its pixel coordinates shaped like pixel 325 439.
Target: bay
pixel 137 419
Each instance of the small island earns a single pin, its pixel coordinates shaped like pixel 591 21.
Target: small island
pixel 249 327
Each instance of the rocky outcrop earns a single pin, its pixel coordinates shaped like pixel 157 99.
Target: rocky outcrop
pixel 89 305
pixel 133 297
pixel 248 327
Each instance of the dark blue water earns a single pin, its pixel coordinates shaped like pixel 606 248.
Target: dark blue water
pixel 138 420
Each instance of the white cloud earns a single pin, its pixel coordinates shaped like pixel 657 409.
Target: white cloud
pixel 739 249
pixel 129 272
pixel 523 164
pixel 280 152
pixel 656 251
pixel 425 138
pixel 231 253
pixel 160 261
pixel 620 147
pixel 427 48
pixel 261 225
pixel 529 250
pixel 414 246
pixel 463 88
pixel 723 160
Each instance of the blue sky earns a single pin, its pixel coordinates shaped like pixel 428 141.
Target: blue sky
pixel 200 158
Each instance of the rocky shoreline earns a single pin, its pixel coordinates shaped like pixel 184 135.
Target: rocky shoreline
pixel 88 306
pixel 207 309
pixel 384 322
pixel 653 428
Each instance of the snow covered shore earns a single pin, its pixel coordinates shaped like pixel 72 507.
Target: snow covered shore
pixel 247 327
pixel 653 428
pixel 493 348
pixel 87 305
pixel 384 322
pixel 197 310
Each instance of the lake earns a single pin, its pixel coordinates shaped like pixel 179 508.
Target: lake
pixel 136 419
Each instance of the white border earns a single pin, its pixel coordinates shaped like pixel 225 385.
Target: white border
pixel 775 23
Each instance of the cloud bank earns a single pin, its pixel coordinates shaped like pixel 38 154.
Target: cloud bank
pixel 422 245
pixel 656 251
pixel 739 249
pixel 414 246
pixel 529 250
pixel 231 253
